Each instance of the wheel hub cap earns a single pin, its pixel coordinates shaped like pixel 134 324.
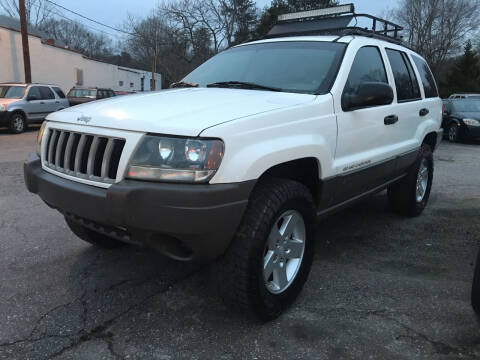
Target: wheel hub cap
pixel 284 251
pixel 452 133
pixel 18 123
pixel 422 180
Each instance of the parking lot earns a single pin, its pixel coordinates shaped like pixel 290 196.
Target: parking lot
pixel 381 287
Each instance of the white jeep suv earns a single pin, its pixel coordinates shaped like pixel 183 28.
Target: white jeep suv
pixel 238 162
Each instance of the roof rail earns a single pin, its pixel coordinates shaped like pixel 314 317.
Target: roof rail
pixel 334 21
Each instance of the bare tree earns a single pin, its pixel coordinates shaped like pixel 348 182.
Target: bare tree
pixel 76 36
pixel 37 11
pixel 228 21
pixel 190 15
pixel 437 29
pixel 158 46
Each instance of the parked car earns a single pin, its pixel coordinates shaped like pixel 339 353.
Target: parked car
pixel 124 93
pixel 22 104
pixel 464 96
pixel 237 166
pixel 81 95
pixel 461 119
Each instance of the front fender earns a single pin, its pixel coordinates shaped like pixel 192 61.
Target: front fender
pixel 256 144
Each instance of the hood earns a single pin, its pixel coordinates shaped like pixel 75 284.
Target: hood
pixel 178 111
pixel 8 101
pixel 468 114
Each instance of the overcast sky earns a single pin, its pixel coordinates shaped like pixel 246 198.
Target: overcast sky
pixel 114 12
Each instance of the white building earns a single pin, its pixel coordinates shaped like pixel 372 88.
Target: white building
pixel 52 63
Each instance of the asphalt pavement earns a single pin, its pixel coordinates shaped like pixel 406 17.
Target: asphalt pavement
pixel 381 286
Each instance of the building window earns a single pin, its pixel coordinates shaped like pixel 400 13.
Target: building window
pixel 120 83
pixel 131 84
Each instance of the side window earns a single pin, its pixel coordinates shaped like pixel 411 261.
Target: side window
pixel 429 85
pixel 59 92
pixel 100 94
pixel 405 80
pixel 367 67
pixel 34 93
pixel 46 93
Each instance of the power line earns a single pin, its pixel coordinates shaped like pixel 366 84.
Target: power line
pixel 88 26
pixel 87 18
pixel 59 14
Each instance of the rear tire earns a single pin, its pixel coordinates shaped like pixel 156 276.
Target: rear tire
pixel 93 237
pixel 17 123
pixel 269 260
pixel 410 196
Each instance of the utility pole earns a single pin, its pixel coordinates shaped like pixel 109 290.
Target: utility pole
pixel 26 50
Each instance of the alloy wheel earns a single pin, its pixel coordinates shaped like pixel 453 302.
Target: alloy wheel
pixel 284 251
pixel 422 180
pixel 18 124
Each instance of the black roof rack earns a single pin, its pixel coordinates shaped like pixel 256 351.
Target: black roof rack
pixel 334 21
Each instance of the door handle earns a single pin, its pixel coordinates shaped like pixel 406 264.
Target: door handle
pixel 390 119
pixel 41 102
pixel 57 102
pixel 423 112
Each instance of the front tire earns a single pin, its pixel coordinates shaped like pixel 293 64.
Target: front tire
pixel 17 123
pixel 410 196
pixel 93 237
pixel 268 261
pixel 453 133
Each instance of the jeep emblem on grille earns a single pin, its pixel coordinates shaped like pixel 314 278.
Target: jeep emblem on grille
pixel 85 119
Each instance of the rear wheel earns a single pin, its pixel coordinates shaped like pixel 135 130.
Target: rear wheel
pixel 17 123
pixel 410 196
pixel 268 261
pixel 93 237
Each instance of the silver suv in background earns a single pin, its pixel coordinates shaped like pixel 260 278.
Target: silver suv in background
pixel 21 104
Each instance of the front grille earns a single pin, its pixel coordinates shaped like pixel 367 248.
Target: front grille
pixel 86 156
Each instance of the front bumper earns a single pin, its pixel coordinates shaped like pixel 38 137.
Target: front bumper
pixel 182 221
pixel 4 116
pixel 471 132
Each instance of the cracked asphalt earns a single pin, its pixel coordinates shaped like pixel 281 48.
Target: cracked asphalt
pixel 381 286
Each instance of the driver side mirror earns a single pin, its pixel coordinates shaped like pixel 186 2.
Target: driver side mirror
pixel 368 94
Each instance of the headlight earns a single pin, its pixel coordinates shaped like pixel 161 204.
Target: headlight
pixel 175 159
pixel 40 137
pixel 471 122
pixel 3 107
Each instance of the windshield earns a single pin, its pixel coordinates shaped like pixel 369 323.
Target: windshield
pixel 467 105
pixel 12 92
pixel 302 66
pixel 82 93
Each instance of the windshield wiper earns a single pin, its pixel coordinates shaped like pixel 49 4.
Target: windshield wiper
pixel 242 85
pixel 183 84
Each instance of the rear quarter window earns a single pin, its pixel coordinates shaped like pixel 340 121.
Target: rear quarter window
pixel 429 85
